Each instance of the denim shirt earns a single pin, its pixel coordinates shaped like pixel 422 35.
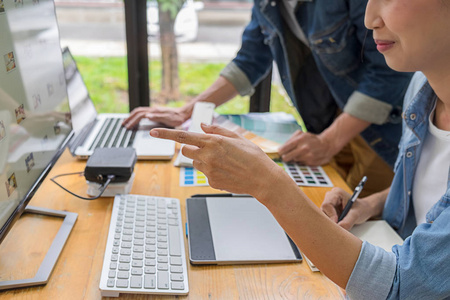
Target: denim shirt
pixel 420 268
pixel 346 56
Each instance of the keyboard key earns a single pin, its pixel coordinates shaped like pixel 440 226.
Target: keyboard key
pixel 124 259
pixel 137 264
pixel 124 267
pixel 149 281
pixel 138 255
pixel 150 262
pixel 139 242
pixel 176 261
pixel 174 241
pixel 176 277
pixel 150 241
pixel 125 251
pixel 177 286
pixel 139 249
pixel 136 282
pixel 162 245
pixel 121 283
pixel 136 271
pixel 176 269
pixel 163 259
pixel 127 238
pixel 150 248
pixel 162 252
pixel 150 270
pixel 150 235
pixel 163 280
pixel 161 203
pixel 162 239
pixel 126 245
pixel 110 282
pixel 122 275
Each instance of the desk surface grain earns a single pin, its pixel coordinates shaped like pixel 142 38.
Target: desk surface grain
pixel 77 272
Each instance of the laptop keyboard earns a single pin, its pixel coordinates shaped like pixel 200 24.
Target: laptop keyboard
pixel 145 250
pixel 113 134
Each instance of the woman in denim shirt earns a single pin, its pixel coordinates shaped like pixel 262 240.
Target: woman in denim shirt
pixel 327 62
pixel 413 36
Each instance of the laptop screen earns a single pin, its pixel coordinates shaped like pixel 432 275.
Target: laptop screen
pixel 35 120
pixel 81 105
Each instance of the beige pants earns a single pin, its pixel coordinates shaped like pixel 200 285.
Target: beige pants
pixel 357 159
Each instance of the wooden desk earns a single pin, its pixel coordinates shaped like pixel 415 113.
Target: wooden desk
pixel 77 272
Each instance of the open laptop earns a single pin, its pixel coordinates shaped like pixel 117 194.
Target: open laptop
pixel 94 130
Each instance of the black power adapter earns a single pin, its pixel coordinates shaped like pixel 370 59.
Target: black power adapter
pixel 115 163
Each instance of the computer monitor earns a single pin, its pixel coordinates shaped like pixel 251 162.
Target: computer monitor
pixel 35 120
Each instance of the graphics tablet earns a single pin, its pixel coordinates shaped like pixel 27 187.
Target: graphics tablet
pixel 235 230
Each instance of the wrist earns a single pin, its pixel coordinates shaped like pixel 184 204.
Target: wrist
pixel 375 204
pixel 328 138
pixel 187 109
pixel 280 183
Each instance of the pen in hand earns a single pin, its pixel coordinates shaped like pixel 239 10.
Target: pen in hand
pixel 353 198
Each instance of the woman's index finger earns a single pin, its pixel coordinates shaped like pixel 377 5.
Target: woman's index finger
pixel 180 136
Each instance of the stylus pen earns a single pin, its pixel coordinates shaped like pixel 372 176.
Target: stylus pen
pixel 353 198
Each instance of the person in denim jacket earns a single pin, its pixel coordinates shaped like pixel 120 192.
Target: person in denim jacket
pixel 413 36
pixel 328 63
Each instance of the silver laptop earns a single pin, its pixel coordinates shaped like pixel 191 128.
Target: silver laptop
pixel 94 130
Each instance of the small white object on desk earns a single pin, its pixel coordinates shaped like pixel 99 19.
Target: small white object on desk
pixel 203 113
pixel 113 189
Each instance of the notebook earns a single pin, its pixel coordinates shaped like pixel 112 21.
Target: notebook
pixel 93 130
pixel 235 230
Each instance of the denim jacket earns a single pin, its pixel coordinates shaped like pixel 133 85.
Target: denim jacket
pixel 345 54
pixel 420 268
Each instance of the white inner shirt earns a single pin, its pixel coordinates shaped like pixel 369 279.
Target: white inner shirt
pixel 430 180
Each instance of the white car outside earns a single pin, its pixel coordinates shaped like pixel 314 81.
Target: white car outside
pixel 186 21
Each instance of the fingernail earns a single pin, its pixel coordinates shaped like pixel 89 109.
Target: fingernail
pixel 154 133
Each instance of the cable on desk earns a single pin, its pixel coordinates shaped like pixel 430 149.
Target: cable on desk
pixel 102 188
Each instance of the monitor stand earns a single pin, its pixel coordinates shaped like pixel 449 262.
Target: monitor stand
pixel 53 253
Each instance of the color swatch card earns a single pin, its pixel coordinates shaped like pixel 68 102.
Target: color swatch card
pixel 306 176
pixel 192 177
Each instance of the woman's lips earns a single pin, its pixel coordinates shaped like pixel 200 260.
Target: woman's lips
pixel 383 46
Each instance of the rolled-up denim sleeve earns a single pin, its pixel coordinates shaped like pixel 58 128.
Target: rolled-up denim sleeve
pixel 368 108
pixel 238 79
pixel 377 80
pixel 373 274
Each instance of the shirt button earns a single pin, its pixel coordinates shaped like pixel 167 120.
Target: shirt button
pixel 273 3
pixel 412 116
pixel 409 193
pixel 409 154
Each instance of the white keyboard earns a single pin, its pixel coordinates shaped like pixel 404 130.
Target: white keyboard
pixel 145 249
